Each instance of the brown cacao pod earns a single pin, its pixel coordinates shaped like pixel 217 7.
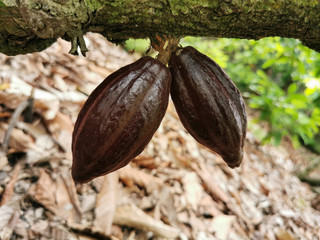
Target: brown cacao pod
pixel 208 103
pixel 119 118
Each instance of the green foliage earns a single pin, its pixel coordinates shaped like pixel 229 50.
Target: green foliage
pixel 278 76
pixel 138 45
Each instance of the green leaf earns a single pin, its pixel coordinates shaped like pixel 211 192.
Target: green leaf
pixel 292 89
pixel 269 63
pixel 278 76
pixel 277 138
pixel 295 141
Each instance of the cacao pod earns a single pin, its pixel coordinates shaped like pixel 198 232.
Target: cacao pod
pixel 208 103
pixel 119 118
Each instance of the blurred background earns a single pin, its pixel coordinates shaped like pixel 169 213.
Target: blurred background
pixel 279 77
pixel 176 189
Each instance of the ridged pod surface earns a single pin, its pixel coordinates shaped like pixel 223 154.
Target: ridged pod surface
pixel 208 103
pixel 119 118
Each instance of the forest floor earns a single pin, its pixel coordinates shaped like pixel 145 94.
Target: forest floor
pixel 176 189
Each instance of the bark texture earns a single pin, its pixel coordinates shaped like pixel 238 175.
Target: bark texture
pixel 32 25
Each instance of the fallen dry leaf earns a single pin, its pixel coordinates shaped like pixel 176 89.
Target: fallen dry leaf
pixel 193 189
pixel 11 100
pixel 65 208
pixel 45 102
pixel 131 216
pixel 3 160
pixel 61 129
pixel 131 176
pixel 7 210
pixel 145 162
pixel 44 192
pixel 221 226
pixel 72 192
pixel 209 183
pixel 106 203
pixel 9 190
pixel 7 232
pixel 282 234
pixel 19 141
pixel 167 208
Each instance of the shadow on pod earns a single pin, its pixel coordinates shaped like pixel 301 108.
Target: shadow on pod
pixel 119 118
pixel 208 103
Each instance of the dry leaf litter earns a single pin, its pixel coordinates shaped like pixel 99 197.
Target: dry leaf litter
pixel 176 189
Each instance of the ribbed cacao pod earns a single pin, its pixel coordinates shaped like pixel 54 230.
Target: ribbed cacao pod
pixel 119 118
pixel 208 103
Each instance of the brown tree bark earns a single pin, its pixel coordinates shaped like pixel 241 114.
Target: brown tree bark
pixel 32 25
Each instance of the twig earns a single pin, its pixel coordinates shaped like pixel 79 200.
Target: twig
pixel 28 113
pixel 87 231
pixel 313 165
pixel 304 175
pixel 15 117
pixel 310 180
pixel 72 194
pixel 13 122
pixel 8 192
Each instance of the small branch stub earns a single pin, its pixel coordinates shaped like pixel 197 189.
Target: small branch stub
pixel 78 41
pixel 165 45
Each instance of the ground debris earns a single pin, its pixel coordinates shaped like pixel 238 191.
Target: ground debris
pixel 176 189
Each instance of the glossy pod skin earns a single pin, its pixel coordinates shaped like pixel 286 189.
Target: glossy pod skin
pixel 208 103
pixel 119 118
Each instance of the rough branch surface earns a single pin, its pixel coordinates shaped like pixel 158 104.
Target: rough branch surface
pixel 32 25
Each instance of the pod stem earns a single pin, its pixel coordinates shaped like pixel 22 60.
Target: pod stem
pixel 165 45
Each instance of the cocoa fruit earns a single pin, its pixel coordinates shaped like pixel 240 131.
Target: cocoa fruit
pixel 119 118
pixel 208 103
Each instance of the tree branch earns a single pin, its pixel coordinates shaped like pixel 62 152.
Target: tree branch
pixel 31 25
